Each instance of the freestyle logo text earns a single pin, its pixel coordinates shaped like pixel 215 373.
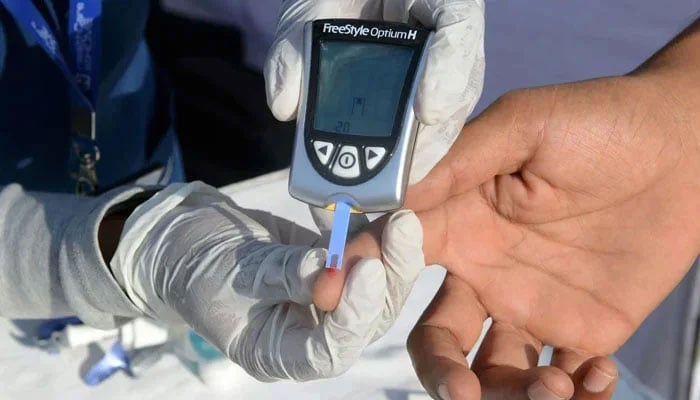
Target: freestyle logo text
pixel 375 32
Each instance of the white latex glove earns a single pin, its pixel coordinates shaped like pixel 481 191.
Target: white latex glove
pixel 453 77
pixel 190 254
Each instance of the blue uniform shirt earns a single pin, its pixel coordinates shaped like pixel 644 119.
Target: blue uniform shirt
pixel 35 145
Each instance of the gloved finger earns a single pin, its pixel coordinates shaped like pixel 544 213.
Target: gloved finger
pixel 284 63
pixel 453 76
pixel 402 255
pixel 448 329
pixel 432 143
pixel 335 344
pixel 506 365
pixel 279 274
pixel 324 221
pixel 595 377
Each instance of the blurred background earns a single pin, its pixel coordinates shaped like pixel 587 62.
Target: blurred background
pixel 212 53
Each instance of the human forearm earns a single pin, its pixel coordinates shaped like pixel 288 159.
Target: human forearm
pixel 675 72
pixel 682 53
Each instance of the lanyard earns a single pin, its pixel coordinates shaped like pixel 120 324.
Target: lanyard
pixel 81 72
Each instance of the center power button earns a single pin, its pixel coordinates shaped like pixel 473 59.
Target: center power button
pixel 346 165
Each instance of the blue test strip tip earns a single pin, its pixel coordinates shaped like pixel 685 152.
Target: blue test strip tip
pixel 339 235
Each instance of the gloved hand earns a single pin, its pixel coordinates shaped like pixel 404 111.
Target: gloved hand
pixel 190 254
pixel 453 77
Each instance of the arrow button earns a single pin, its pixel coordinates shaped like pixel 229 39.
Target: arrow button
pixel 373 156
pixel 323 151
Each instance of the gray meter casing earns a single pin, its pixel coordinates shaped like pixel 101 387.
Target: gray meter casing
pixel 331 166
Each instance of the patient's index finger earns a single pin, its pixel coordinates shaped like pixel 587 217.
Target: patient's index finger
pixel 329 284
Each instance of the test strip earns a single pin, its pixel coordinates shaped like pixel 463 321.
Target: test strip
pixel 339 235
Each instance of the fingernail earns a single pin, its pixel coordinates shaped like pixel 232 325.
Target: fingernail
pixel 538 391
pixel 597 380
pixel 443 392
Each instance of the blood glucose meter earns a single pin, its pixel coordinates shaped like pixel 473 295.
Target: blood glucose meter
pixel 355 124
pixel 356 127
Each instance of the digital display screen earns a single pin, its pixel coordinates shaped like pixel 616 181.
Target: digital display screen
pixel 359 87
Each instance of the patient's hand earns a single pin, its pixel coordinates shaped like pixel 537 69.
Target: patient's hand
pixel 565 213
